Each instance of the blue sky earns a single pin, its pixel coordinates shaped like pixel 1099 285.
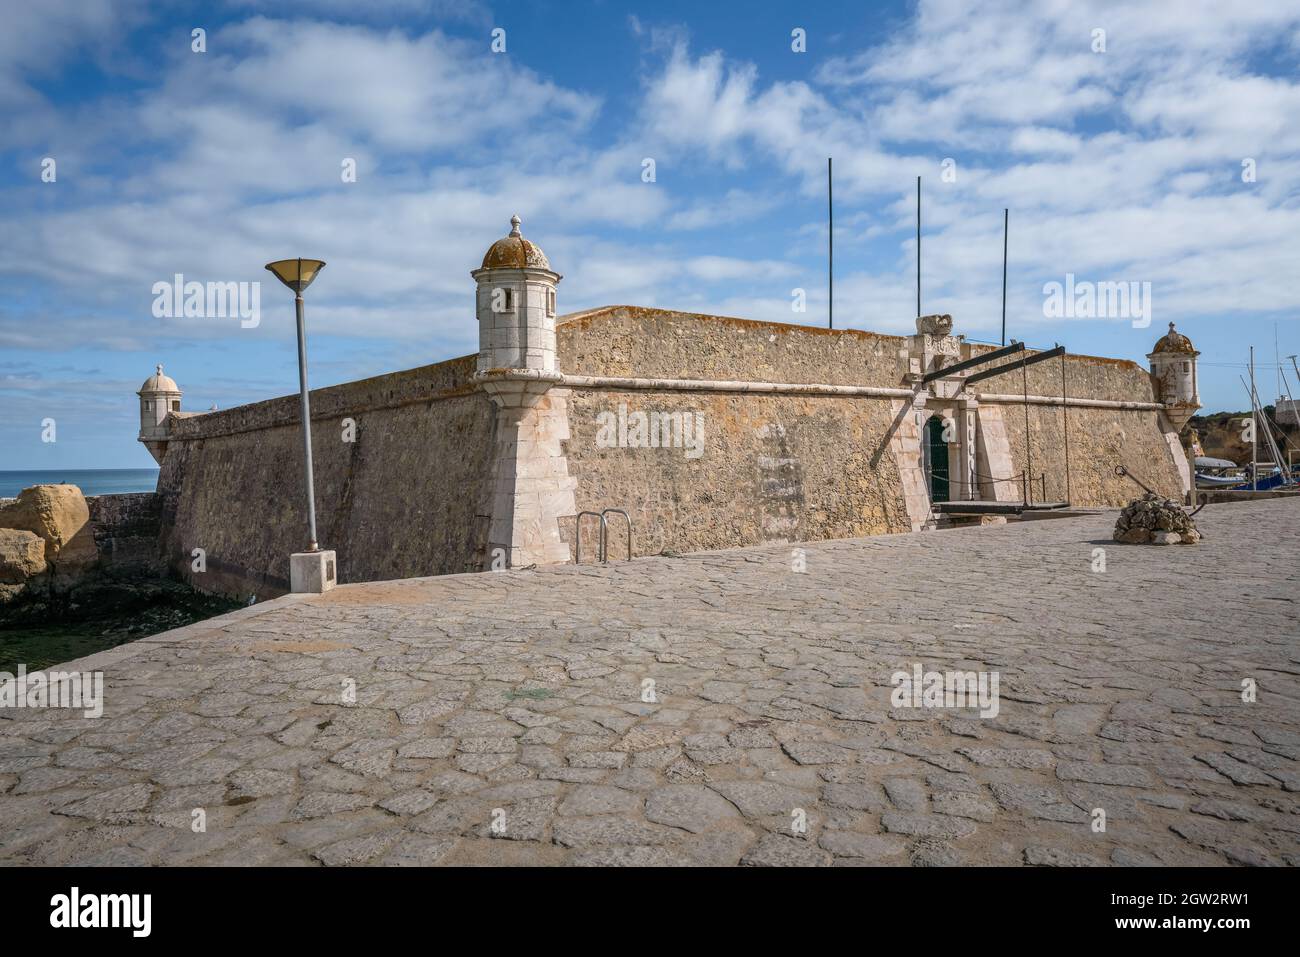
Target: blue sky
pixel 1117 165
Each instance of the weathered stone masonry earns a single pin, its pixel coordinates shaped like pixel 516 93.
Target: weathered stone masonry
pixel 805 434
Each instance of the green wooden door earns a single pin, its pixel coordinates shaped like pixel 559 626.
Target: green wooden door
pixel 936 459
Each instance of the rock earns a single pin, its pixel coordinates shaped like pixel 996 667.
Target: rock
pixel 357 850
pixel 22 555
pixel 591 799
pixel 852 844
pixel 906 793
pixel 416 850
pixel 934 325
pixel 1095 773
pixel 598 759
pixel 111 807
pixel 369 757
pixel 608 829
pixel 647 737
pixel 524 820
pixel 1040 856
pixel 628 856
pixel 776 850
pixel 259 782
pixel 963 804
pixel 1032 759
pixel 692 807
pixel 926 825
pixel 410 802
pixel 326 803
pixel 859 797
pixel 1154 520
pixel 1037 802
pixel 57 514
pixel 761 798
pixel 931 853
pixel 816 752
pixel 1236 771
pixel 1126 857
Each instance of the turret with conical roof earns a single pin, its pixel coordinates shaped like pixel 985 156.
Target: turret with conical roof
pixel 159 397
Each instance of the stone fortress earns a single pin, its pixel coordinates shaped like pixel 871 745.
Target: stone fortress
pixel 710 432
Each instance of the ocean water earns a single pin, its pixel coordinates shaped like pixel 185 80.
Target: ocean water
pixel 90 481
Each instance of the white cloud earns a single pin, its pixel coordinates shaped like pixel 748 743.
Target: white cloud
pixel 38 38
pixel 1045 140
pixel 1115 165
pixel 736 206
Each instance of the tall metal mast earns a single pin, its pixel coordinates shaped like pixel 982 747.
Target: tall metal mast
pixel 830 249
pixel 1254 429
pixel 1006 222
pixel 918 247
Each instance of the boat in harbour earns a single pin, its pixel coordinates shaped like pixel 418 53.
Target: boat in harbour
pixel 1218 473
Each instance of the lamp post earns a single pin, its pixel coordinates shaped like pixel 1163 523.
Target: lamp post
pixel 312 570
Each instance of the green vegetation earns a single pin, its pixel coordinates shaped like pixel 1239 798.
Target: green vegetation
pixel 52 639
pixel 535 694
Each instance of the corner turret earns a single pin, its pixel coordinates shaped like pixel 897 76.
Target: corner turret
pixel 517 368
pixel 159 397
pixel 515 304
pixel 1173 373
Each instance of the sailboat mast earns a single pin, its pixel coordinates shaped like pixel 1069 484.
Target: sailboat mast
pixel 1270 442
pixel 1254 429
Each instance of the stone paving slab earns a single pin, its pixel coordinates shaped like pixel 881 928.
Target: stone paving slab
pixel 715 709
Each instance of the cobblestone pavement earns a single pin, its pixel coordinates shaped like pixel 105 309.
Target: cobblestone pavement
pixel 514 701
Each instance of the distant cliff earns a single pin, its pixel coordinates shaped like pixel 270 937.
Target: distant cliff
pixel 1224 435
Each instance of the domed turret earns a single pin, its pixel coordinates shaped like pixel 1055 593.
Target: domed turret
pixel 159 396
pixel 159 383
pixel 517 368
pixel 1173 372
pixel 516 305
pixel 1174 341
pixel 515 252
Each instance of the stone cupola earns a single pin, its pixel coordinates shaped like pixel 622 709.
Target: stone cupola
pixel 517 368
pixel 515 305
pixel 1173 374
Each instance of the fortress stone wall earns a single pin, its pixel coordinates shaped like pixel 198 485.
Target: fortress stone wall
pixel 405 498
pixel 126 529
pixel 412 495
pixel 711 432
pixel 774 467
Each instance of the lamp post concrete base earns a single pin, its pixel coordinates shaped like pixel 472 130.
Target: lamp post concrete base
pixel 312 572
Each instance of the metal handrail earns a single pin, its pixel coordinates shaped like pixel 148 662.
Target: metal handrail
pixel 577 545
pixel 604 534
pixel 1023 479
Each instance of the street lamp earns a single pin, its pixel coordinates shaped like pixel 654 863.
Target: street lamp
pixel 312 570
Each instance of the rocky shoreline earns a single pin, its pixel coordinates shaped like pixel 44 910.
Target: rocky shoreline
pixel 79 575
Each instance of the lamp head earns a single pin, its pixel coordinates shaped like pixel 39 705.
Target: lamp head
pixel 297 274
